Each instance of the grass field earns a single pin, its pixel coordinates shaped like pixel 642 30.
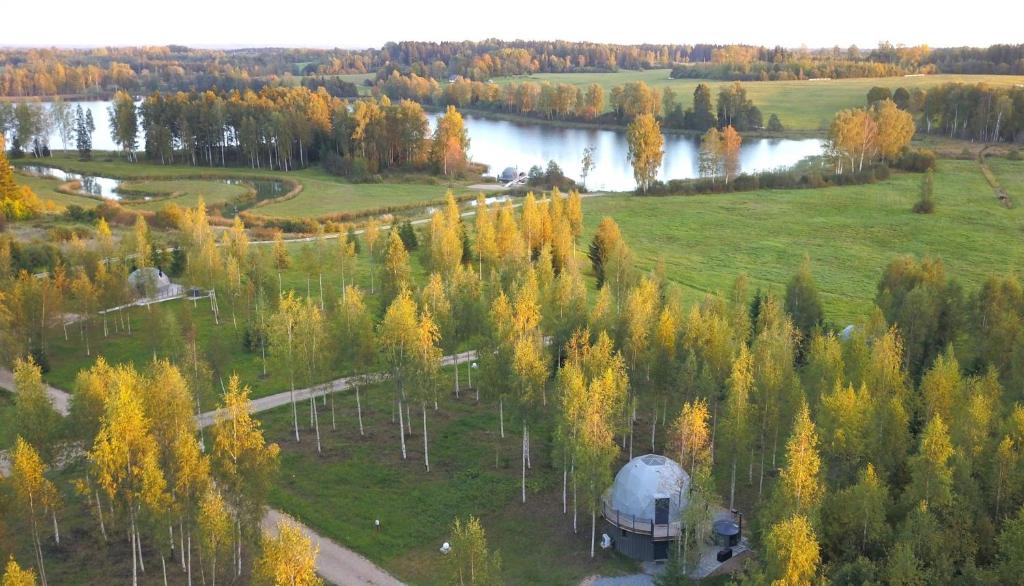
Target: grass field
pixel 801 105
pixel 850 233
pixel 46 188
pixel 1011 176
pixel 183 192
pixel 6 419
pixel 321 194
pixel 473 471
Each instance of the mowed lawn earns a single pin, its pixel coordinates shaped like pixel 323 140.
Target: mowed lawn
pixel 850 233
pixel 46 189
pixel 183 192
pixel 321 193
pixel 801 105
pixel 473 471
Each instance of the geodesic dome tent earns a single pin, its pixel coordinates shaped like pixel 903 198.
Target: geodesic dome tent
pixel 645 480
pixel 644 506
pixel 149 281
pixel 508 174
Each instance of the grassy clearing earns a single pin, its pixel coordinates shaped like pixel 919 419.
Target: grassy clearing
pixel 183 192
pixel 222 344
pixel 851 233
pixel 322 193
pixel 473 471
pixel 801 105
pixel 82 556
pixel 46 189
pixel 1011 176
pixel 6 419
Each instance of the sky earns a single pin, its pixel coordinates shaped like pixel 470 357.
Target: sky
pixel 318 23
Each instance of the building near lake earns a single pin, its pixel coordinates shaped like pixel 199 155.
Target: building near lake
pixel 644 506
pixel 509 174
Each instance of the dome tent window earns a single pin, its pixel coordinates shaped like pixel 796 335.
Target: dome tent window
pixel 645 502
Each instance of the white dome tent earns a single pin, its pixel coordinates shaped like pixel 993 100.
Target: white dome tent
pixel 645 503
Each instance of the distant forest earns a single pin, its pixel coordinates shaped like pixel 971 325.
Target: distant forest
pixel 101 71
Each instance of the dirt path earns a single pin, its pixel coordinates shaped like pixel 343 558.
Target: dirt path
pixel 336 564
pixel 284 398
pixel 1001 194
pixel 61 399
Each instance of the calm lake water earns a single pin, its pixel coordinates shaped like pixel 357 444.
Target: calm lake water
pixel 501 144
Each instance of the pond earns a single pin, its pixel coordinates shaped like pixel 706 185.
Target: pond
pixel 500 144
pixel 107 187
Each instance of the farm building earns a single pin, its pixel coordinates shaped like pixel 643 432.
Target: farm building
pixel 644 506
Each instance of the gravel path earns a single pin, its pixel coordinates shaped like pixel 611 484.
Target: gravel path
pixel 336 564
pixel 61 399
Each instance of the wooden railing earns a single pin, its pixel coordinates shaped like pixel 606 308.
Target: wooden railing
pixel 640 525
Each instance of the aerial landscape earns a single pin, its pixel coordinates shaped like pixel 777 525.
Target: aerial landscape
pixel 303 299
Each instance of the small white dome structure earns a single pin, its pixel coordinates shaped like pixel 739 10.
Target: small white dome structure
pixel 644 480
pixel 149 281
pixel 645 503
pixel 509 174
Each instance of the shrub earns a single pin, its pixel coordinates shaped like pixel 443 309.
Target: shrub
pixel 408 235
pixel 77 213
pixel 916 160
pixel 350 237
pixel 926 204
pixel 355 169
pixel 41 359
pixel 774 124
pixel 549 178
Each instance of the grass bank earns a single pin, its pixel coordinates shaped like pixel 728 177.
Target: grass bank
pixel 322 194
pixel 801 105
pixel 850 233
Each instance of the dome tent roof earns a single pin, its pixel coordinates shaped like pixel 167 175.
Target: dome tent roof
pixel 148 278
pixel 509 173
pixel 644 479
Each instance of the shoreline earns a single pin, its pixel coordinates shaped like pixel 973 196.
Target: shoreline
pixel 584 125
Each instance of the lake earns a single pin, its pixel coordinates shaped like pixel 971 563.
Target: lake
pixel 501 144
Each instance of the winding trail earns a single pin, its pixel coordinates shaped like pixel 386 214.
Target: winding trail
pixel 335 563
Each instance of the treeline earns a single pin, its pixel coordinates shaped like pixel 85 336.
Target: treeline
pixel 102 71
pixel 748 63
pixel 494 57
pixel 565 101
pixel 976 112
pixel 285 128
pixel 979 112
